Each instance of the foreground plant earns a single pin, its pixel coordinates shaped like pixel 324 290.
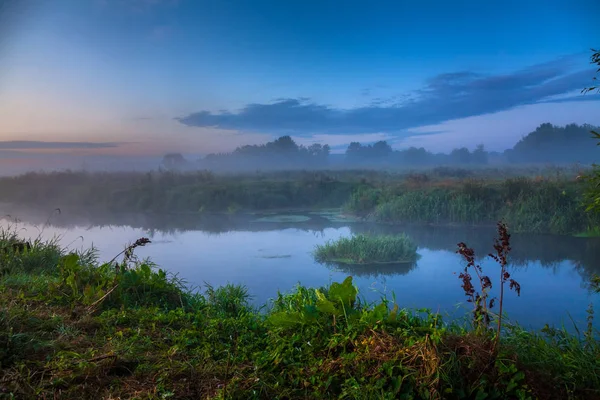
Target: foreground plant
pixel 482 303
pixel 151 338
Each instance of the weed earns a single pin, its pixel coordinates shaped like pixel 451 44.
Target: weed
pixel 482 303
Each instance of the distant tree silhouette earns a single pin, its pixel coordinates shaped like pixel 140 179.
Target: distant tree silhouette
pixel 414 156
pixel 173 161
pixel 549 143
pixel 354 151
pixel 479 155
pixel 373 153
pixel 460 156
pixel 283 145
pixel 318 150
pixel 281 152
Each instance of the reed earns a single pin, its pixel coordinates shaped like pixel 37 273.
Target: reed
pixel 368 249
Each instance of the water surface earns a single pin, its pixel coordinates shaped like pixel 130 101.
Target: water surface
pixel 269 254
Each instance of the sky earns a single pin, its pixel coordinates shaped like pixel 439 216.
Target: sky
pixel 146 77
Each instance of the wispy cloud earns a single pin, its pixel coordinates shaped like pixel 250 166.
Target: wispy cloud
pixel 444 97
pixel 37 145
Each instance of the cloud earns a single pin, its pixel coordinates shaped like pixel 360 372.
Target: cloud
pixel 445 97
pixel 30 145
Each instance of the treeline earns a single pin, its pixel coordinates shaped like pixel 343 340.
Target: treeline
pixel 547 144
pixel 283 152
pixel 382 152
pixel 550 143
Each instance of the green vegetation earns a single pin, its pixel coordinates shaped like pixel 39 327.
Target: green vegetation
pixel 71 328
pixel 283 218
pixel 527 205
pixel 196 192
pixel 368 249
pixel 531 200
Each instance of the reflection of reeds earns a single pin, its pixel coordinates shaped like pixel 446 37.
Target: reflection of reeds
pixel 373 270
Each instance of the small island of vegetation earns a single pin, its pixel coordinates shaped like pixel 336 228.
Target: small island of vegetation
pixel 368 249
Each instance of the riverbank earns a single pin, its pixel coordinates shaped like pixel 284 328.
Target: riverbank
pixel 71 327
pixel 551 203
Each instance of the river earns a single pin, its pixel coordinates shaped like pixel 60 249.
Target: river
pixel 270 253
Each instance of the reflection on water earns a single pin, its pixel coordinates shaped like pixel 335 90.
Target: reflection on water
pixel 372 270
pixel 267 255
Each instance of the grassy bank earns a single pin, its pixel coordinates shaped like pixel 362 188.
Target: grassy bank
pixel 368 249
pixel 544 201
pixel 527 205
pixel 72 328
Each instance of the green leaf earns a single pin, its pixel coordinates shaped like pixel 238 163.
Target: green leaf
pixel 380 311
pixel 70 262
pixel 344 292
pixel 324 305
pixel 481 395
pixel 310 312
pixel 285 319
pixel 393 314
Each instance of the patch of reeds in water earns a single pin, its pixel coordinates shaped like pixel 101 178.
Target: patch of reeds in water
pixel 368 249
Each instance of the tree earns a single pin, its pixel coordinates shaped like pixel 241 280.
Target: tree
pixel 414 156
pixel 479 155
pixel 549 143
pixel 354 150
pixel 317 151
pixel 592 194
pixel 173 161
pixel 460 156
pixel 283 145
pixel 594 59
pixel 381 149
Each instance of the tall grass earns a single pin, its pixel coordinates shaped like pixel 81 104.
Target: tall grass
pixel 17 255
pixel 360 190
pixel 526 205
pixel 368 249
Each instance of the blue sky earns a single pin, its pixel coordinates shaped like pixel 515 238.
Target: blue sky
pixel 201 76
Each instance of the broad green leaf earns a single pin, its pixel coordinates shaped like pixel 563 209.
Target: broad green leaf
pixel 379 312
pixel 344 292
pixel 286 319
pixel 324 305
